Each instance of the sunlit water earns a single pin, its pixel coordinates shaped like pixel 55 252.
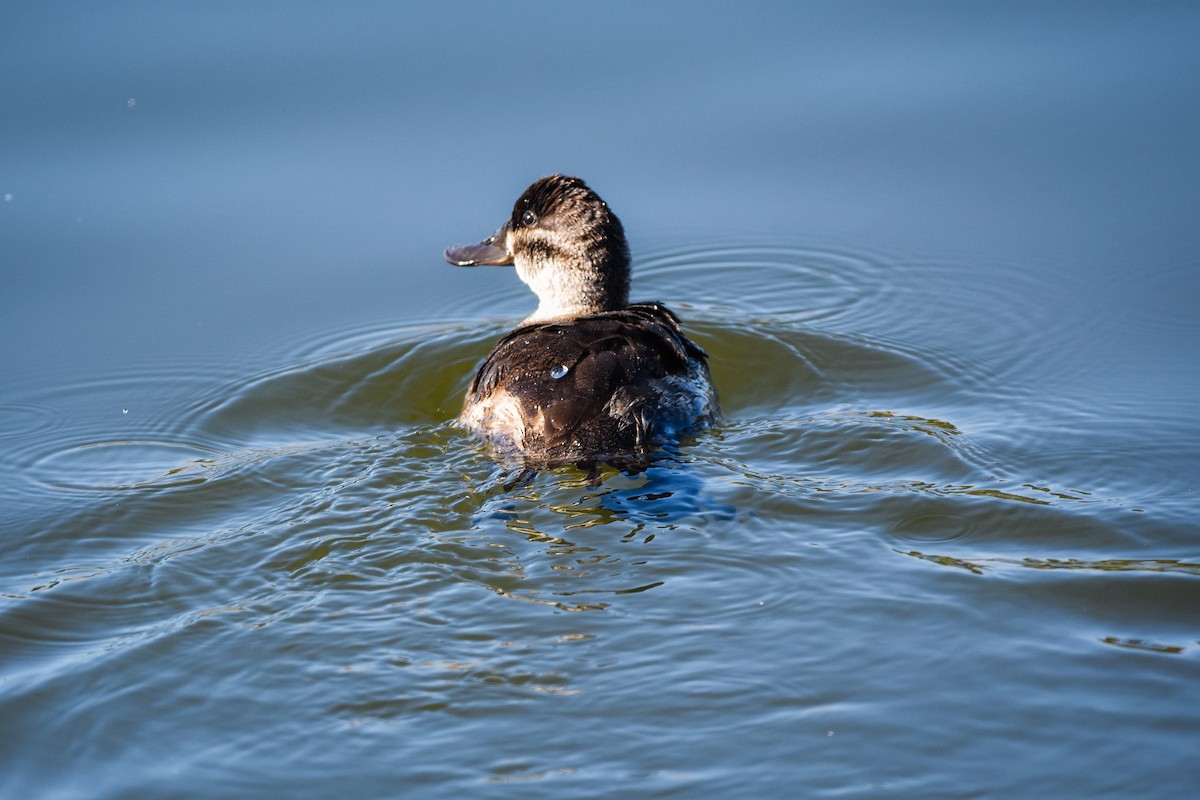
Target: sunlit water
pixel 265 578
pixel 943 542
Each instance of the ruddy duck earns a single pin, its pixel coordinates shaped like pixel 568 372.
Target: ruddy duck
pixel 587 376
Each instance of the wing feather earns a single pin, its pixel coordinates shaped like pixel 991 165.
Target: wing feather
pixel 589 387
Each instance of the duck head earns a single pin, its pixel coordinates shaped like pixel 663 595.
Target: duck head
pixel 567 246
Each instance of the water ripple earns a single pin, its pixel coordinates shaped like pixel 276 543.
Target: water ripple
pixel 325 517
pixel 25 420
pixel 813 403
pixel 351 384
pixel 127 464
pixel 783 283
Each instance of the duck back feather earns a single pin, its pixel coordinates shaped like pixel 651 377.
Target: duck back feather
pixel 611 383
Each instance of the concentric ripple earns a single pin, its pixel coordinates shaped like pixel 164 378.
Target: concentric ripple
pixel 325 520
pixel 24 420
pixel 123 465
pixel 781 283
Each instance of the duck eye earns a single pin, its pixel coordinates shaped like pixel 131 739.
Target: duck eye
pixel 528 218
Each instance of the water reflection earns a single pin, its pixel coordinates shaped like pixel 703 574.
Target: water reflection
pixel 811 411
pixel 584 527
pixel 1121 565
pixel 943 255
pixel 324 519
pixel 1143 645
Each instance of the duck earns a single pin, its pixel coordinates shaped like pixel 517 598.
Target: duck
pixel 588 376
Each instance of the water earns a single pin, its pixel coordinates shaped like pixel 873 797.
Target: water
pixel 944 543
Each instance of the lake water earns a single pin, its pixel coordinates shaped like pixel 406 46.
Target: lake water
pixel 944 543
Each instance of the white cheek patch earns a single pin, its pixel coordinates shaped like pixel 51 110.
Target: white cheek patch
pixel 565 286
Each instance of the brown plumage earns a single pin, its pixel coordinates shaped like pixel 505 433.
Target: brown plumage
pixel 587 376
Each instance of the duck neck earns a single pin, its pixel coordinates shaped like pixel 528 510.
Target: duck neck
pixel 566 291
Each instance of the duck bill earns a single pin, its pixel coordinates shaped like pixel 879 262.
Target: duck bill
pixel 491 252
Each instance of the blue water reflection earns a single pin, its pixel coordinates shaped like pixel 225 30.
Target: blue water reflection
pixel 943 256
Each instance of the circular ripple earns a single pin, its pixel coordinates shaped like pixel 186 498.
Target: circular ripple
pixel 355 383
pixel 360 338
pixel 779 282
pixel 927 527
pixel 123 464
pixel 26 419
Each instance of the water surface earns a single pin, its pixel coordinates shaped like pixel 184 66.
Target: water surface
pixel 943 544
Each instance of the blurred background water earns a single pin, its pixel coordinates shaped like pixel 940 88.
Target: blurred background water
pixel 944 544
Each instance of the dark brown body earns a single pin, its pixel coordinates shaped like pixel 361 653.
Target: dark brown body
pixel 608 384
